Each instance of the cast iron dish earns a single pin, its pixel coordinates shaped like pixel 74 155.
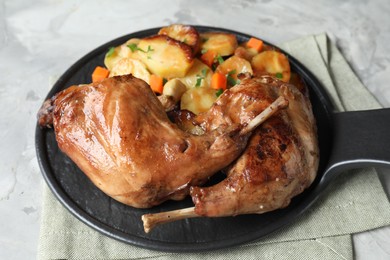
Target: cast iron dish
pixel 347 140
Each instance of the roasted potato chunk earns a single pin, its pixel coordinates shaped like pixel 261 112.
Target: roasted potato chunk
pixel 199 75
pixel 112 57
pixel 174 88
pixel 232 67
pixel 272 62
pixel 165 56
pixel 222 43
pixel 198 100
pixel 117 53
pixel 183 33
pixel 131 66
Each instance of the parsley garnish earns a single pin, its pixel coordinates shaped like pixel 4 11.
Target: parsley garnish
pixel 199 78
pixel 231 81
pixel 198 81
pixel 219 59
pixel 203 51
pixel 232 72
pixel 149 49
pixel 279 75
pixel 134 47
pixel 219 92
pixel 111 51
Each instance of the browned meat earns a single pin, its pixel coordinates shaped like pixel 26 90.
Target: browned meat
pixel 119 135
pixel 280 161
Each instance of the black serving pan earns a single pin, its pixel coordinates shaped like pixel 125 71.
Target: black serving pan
pixel 347 140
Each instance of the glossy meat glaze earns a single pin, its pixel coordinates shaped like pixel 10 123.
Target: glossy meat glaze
pixel 119 135
pixel 281 158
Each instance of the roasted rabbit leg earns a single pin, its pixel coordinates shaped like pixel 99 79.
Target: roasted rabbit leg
pixel 119 135
pixel 280 161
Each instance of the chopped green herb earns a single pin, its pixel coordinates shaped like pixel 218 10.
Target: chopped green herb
pixel 219 92
pixel 199 78
pixel 279 75
pixel 185 40
pixel 134 47
pixel 149 49
pixel 231 81
pixel 232 72
pixel 204 72
pixel 198 82
pixel 205 40
pixel 219 59
pixel 203 51
pixel 111 51
pixel 164 81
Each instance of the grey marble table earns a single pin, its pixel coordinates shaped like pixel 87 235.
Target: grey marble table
pixel 39 40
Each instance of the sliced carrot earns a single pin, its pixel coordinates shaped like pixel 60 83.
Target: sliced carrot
pixel 208 57
pixel 255 43
pixel 218 81
pixel 156 83
pixel 99 74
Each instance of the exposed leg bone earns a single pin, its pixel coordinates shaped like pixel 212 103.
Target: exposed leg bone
pixel 280 103
pixel 152 220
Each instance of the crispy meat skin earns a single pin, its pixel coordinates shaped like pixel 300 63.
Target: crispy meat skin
pixel 280 161
pixel 119 135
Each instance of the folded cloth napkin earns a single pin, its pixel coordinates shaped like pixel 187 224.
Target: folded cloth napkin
pixel 323 232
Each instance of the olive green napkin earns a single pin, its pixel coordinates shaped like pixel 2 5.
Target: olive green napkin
pixel 323 232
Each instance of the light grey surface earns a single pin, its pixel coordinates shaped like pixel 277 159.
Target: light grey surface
pixel 39 40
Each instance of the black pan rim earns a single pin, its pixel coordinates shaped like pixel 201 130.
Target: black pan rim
pixel 109 231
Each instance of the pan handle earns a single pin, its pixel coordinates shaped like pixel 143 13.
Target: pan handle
pixel 361 139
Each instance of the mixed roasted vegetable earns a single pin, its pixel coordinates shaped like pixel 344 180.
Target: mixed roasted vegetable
pixel 193 68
